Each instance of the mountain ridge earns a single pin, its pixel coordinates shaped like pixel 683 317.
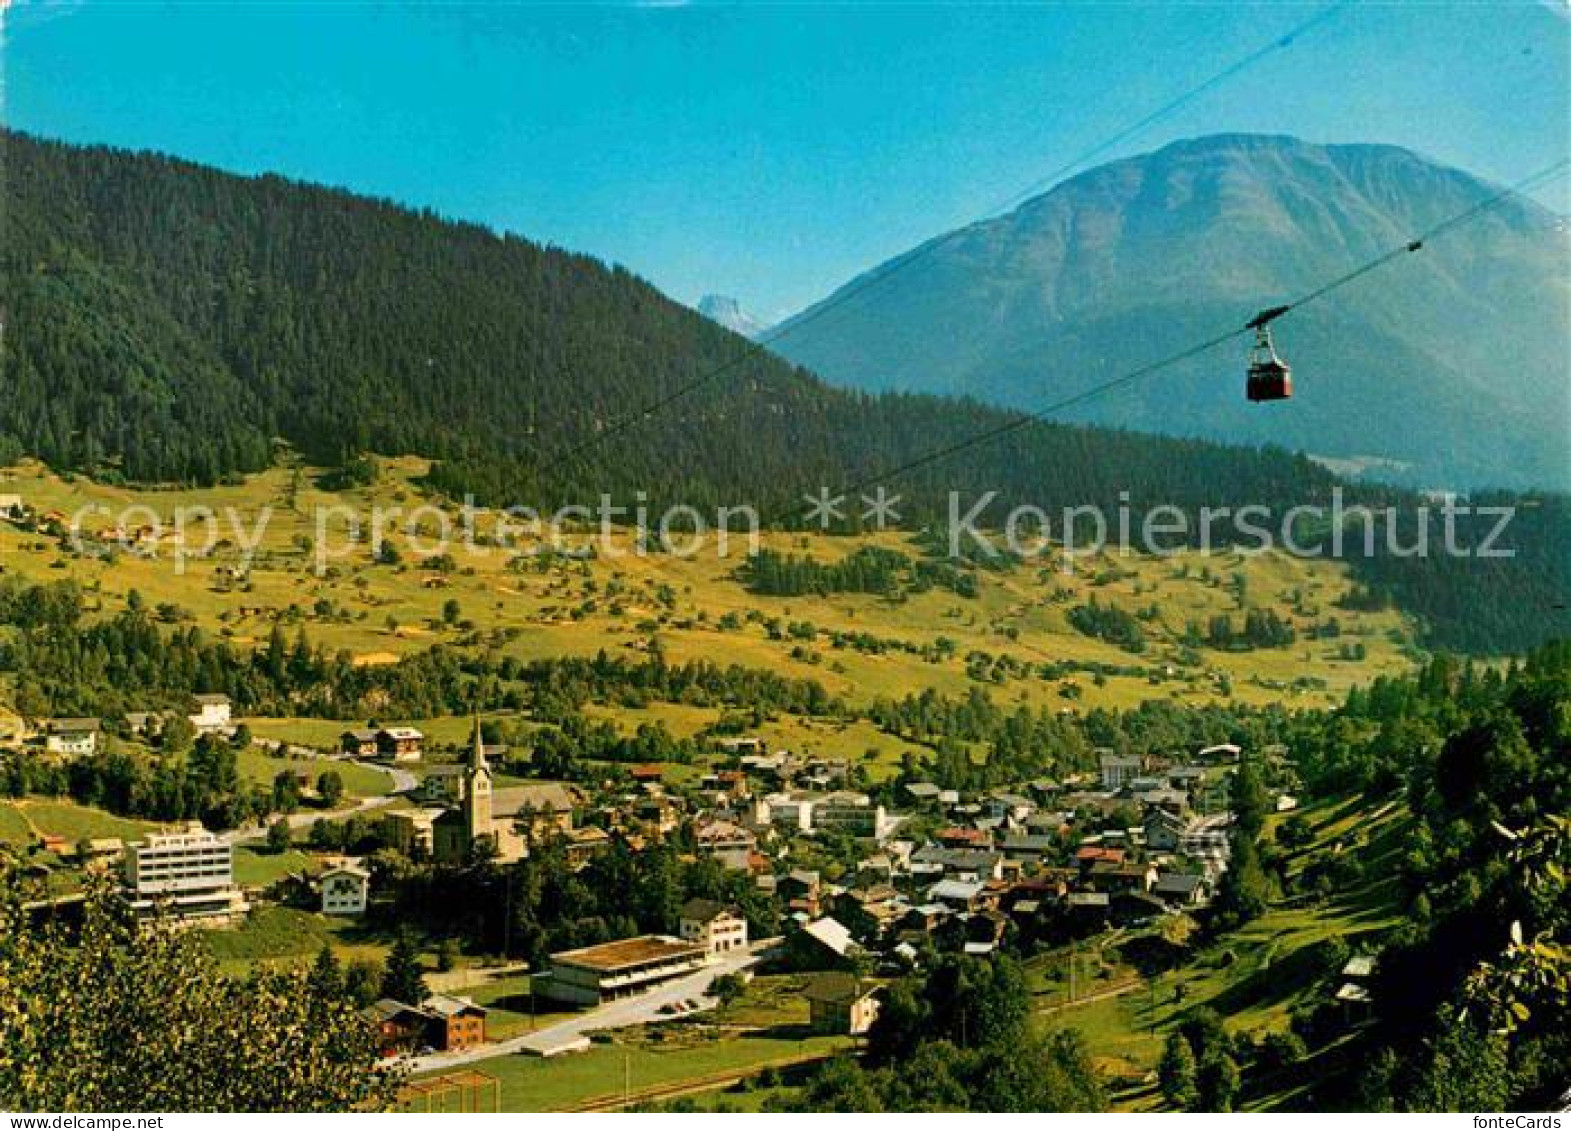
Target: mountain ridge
pixel 1135 259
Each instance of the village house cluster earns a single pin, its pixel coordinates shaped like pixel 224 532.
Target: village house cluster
pixel 870 879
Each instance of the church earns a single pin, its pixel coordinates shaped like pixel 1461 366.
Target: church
pixel 501 822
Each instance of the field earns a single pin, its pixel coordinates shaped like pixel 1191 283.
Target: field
pixel 262 868
pixel 637 1063
pixel 261 767
pixel 697 607
pixel 20 821
pixel 290 935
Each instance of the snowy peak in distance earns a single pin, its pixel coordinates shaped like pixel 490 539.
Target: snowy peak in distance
pixel 729 313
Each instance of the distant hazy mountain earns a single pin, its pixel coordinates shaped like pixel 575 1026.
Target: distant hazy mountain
pixel 1447 368
pixel 729 313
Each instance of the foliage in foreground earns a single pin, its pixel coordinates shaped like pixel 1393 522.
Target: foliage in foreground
pixel 102 1017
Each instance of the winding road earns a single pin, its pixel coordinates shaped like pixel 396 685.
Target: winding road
pixel 403 782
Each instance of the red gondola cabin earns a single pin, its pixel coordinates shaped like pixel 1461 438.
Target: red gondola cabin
pixel 1270 378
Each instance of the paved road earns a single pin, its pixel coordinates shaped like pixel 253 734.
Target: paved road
pixel 613 1015
pixel 403 781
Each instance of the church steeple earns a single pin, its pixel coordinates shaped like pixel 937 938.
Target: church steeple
pixel 477 751
pixel 477 789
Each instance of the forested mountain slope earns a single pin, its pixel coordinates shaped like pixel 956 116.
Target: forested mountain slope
pixel 166 322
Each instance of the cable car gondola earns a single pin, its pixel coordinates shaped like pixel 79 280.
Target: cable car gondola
pixel 1270 378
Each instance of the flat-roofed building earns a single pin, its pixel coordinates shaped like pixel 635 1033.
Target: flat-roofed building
pixel 591 975
pixel 852 814
pixel 186 875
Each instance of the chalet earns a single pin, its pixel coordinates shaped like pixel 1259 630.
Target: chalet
pixel 658 814
pixel 211 713
pixel 1180 889
pixel 144 724
pixel 926 919
pixel 72 738
pixel 647 774
pixel 922 792
pixel 822 774
pixel 358 743
pixel 987 927
pixel 822 944
pixel 399 744
pixel 345 890
pixel 12 508
pixel 94 853
pixel 1116 769
pixel 400 1028
pixel 740 747
pixel 1110 878
pixel 718 928
pixel 442 784
pixel 583 845
pixel 1028 847
pixel 13 728
pixel 1049 822
pixel 868 912
pixel 961 837
pixel 799 890
pixel 1008 807
pixel 1090 855
pixel 958 894
pixel 1173 800
pixel 1207 838
pixel 454 1023
pixel 1223 753
pixel 777 767
pixel 727 783
pixel 411 831
pixel 930 860
pixel 1045 788
pixel 1353 996
pixel 841 1004
pixel 1163 830
pixel 729 843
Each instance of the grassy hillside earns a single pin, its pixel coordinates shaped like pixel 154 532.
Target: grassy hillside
pixel 701 608
pixel 1254 977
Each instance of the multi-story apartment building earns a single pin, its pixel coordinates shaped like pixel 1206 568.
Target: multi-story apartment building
pixel 186 875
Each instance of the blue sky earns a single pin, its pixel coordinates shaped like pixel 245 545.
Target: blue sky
pixel 770 152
